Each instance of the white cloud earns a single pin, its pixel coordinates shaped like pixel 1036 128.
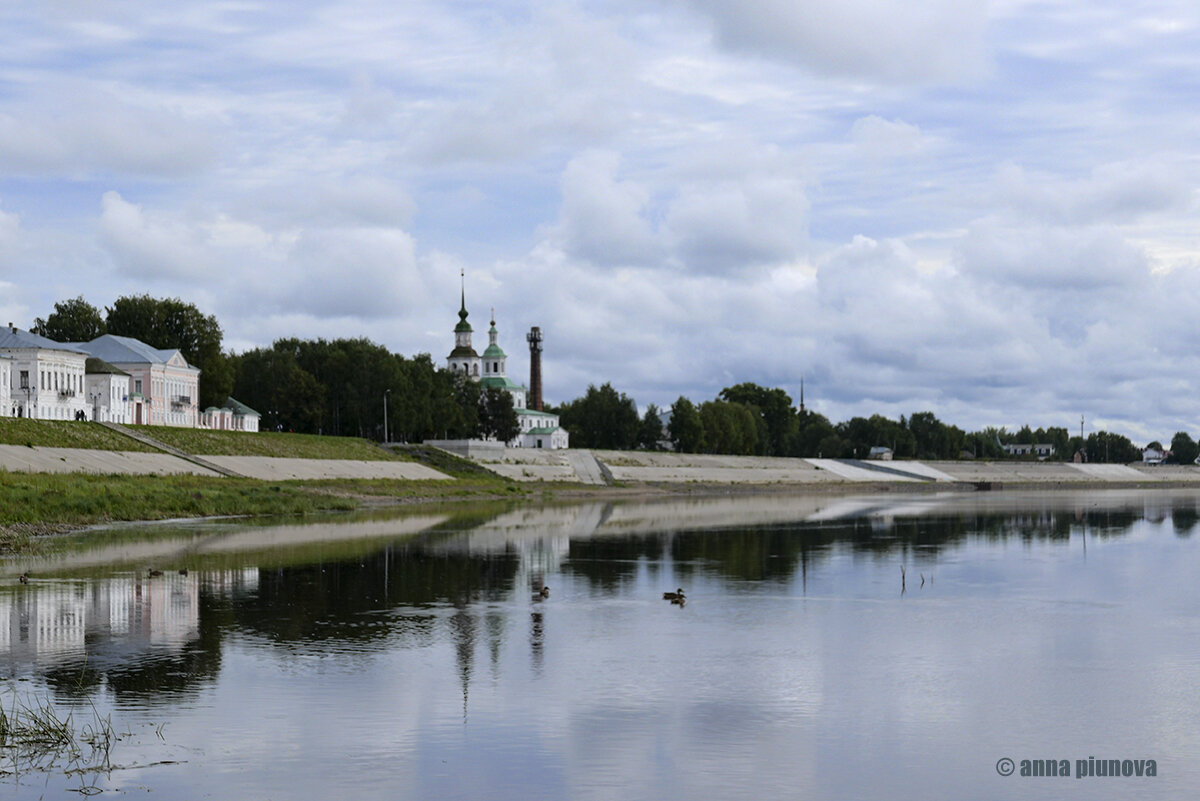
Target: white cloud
pixel 1118 193
pixel 983 209
pixel 602 219
pixel 86 130
pixel 891 41
pixel 880 138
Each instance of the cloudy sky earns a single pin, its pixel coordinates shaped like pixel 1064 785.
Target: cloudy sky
pixel 983 209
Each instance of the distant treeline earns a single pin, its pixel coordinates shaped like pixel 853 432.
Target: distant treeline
pixel 748 419
pixel 338 387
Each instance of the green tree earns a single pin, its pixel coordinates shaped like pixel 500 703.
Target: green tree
pixel 650 430
pixel 1183 448
pixel 773 408
pixel 685 429
pixel 73 320
pixel 1105 446
pixel 171 323
pixel 602 418
pixel 933 439
pixel 811 430
pixel 497 416
pixel 270 381
pixel 729 428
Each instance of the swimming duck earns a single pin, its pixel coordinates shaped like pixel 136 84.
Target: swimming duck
pixel 543 593
pixel 153 572
pixel 674 597
pixel 25 577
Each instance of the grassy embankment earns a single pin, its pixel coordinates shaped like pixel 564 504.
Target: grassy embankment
pixel 38 503
pixel 65 434
pixel 202 442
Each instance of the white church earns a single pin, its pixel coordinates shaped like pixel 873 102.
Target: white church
pixel 539 429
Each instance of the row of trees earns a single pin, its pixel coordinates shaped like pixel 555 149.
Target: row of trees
pixel 339 386
pixel 749 419
pixel 331 387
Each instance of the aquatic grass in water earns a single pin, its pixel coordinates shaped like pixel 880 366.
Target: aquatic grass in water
pixel 35 738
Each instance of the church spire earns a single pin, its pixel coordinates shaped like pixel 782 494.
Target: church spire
pixel 463 358
pixel 463 325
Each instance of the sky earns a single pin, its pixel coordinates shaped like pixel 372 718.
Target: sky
pixel 982 209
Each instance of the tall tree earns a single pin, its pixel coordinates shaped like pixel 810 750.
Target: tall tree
pixel 497 416
pixel 773 407
pixel 1183 448
pixel 650 430
pixel 685 429
pixel 73 320
pixel 171 323
pixel 602 418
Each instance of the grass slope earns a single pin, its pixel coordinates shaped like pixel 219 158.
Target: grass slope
pixel 203 442
pixel 65 434
pixel 36 502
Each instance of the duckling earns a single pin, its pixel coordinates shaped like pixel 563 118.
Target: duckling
pixel 543 593
pixel 674 597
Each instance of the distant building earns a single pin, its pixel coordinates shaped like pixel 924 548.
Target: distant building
pixel 880 453
pixel 537 429
pixel 7 408
pixel 163 386
pixel 46 378
pixel 1042 450
pixel 107 391
pixel 232 415
pixel 1155 455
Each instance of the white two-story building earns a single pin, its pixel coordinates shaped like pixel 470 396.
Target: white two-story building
pixel 6 407
pixel 107 392
pixel 46 377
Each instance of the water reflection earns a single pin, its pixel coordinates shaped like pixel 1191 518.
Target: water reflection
pixel 795 608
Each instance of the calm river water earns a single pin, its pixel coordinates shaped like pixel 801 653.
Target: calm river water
pixel 408 656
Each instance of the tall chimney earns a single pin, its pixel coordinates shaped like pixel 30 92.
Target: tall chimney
pixel 534 337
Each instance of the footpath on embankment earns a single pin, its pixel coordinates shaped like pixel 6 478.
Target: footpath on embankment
pixel 655 468
pixel 600 468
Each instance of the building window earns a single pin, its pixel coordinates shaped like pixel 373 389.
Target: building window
pixel 24 379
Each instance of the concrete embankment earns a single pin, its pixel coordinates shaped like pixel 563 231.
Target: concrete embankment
pixel 600 468
pixel 20 458
pixel 643 467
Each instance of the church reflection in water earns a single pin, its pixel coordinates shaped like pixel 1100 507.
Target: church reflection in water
pixel 467 580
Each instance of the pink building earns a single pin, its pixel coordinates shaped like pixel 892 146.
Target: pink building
pixel 163 387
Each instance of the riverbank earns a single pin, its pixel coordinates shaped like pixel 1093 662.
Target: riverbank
pixel 67 475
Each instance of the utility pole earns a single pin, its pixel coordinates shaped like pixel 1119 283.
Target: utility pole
pixel 385 436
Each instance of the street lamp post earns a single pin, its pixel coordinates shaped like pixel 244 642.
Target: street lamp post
pixel 385 436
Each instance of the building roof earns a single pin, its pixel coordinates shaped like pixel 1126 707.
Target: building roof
pixel 94 366
pixel 542 430
pixel 494 352
pixel 15 339
pixel 503 382
pixel 127 350
pixel 239 408
pixel 535 413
